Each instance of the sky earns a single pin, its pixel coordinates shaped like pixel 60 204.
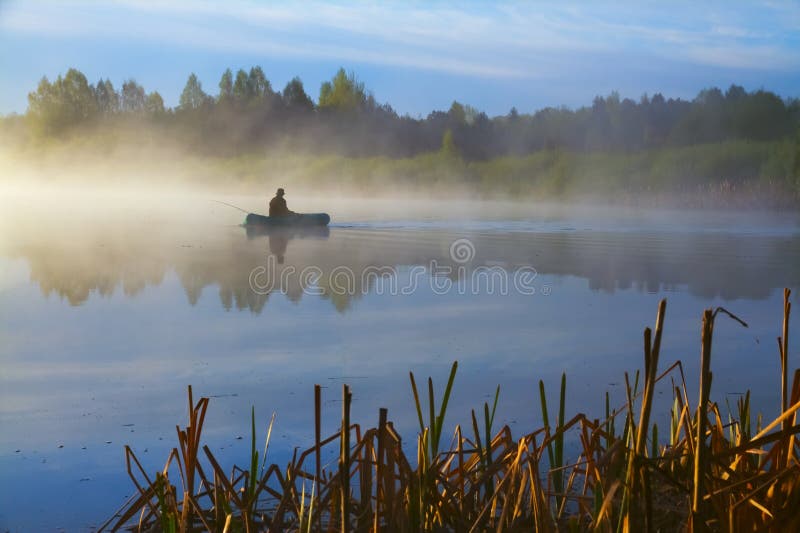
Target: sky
pixel 416 56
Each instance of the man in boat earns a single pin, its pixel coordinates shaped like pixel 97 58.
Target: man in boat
pixel 277 206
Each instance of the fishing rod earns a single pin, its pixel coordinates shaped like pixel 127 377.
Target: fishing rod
pixel 231 205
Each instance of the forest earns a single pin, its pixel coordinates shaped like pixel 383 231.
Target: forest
pixel 721 139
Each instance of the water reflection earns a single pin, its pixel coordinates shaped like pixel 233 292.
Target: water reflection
pixel 105 371
pixel 279 238
pixel 107 258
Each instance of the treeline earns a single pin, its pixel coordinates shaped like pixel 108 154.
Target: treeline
pixel 246 113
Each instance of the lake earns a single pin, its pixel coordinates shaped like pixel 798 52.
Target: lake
pixel 112 304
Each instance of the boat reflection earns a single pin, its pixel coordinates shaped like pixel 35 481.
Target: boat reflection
pixel 279 237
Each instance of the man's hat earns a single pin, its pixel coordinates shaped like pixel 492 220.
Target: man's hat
pixel 281 192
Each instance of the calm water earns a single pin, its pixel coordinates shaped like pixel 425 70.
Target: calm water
pixel 107 313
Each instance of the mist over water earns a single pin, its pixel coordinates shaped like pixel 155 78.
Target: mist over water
pixel 113 300
pixel 519 202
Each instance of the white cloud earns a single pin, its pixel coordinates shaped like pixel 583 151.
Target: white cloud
pixel 493 41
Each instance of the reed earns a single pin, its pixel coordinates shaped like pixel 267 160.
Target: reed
pixel 709 476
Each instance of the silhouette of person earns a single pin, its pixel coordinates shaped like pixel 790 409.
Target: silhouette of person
pixel 277 206
pixel 278 242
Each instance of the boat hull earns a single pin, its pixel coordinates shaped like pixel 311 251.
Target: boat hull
pixel 296 220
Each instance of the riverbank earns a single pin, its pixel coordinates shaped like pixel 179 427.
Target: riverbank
pixel 731 175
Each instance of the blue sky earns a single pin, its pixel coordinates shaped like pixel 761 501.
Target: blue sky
pixel 416 56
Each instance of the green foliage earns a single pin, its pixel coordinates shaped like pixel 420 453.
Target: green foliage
pixel 343 93
pixel 610 124
pixel 106 97
pixel 133 97
pixel 247 90
pixel 252 480
pixel 423 489
pixel 720 142
pixel 154 104
pixel 295 97
pixel 56 106
pixel 457 113
pixel 449 148
pixel 241 91
pixel 483 444
pixel 168 518
pixel 555 438
pixel 686 171
pixel 258 87
pixel 226 86
pixel 796 170
pixel 193 96
pixel 436 422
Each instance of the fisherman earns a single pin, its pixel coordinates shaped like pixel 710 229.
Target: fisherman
pixel 277 206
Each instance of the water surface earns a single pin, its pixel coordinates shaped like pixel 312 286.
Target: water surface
pixel 109 310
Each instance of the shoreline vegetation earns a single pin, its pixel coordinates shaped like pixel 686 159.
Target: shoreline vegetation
pixel 643 179
pixel 707 471
pixel 728 149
